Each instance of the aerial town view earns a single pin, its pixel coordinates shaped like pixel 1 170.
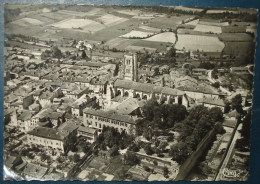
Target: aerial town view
pixel 124 93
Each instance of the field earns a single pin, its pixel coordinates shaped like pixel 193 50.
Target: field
pixel 73 23
pixel 194 42
pixel 140 48
pixel 167 22
pixel 130 12
pixel 109 19
pixel 192 32
pixel 241 48
pixel 27 22
pixel 193 22
pixel 235 37
pixel 155 45
pixel 163 37
pixel 208 28
pixel 137 34
pixel 121 43
pixel 151 29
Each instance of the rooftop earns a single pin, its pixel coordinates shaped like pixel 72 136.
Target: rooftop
pixel 212 101
pixel 111 115
pixel 145 87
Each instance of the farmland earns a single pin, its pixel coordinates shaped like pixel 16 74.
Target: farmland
pixel 208 28
pixel 131 29
pixel 137 34
pixel 195 42
pixel 163 37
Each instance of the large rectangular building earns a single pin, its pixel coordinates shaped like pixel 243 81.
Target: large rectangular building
pixel 98 119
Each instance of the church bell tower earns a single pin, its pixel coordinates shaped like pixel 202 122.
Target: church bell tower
pixel 131 67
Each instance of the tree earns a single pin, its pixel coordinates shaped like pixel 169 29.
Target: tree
pixel 114 151
pixel 148 109
pixel 156 71
pixel 131 158
pixel 236 103
pixel 44 157
pixel 148 149
pixel 148 134
pixel 134 147
pixel 163 145
pixel 244 142
pixel 216 114
pixel 216 85
pixel 165 172
pixel 227 107
pixel 76 158
pixel 56 52
pixel 180 152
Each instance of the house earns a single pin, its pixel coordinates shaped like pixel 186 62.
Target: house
pixel 24 119
pixel 89 133
pixel 46 98
pixel 202 90
pixel 56 138
pixel 80 104
pixel 212 102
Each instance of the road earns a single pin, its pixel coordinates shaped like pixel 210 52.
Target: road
pixel 210 78
pixel 229 153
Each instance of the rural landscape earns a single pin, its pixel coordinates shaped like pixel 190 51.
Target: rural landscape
pixel 127 93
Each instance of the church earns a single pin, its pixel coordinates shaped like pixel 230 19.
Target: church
pixel 130 87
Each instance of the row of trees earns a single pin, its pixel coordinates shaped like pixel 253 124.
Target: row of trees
pixel 192 130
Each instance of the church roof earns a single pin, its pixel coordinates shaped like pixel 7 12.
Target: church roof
pixel 145 87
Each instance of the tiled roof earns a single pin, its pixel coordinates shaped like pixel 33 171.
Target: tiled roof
pixel 87 129
pixel 49 133
pixel 212 101
pixel 145 87
pixel 111 115
pixel 128 106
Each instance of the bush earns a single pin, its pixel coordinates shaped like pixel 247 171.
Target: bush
pixel 76 158
pixel 148 149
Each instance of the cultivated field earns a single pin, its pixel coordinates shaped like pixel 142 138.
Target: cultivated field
pixel 163 37
pixel 151 29
pixel 73 23
pixel 137 34
pixel 167 22
pixel 193 22
pixel 109 19
pixel 208 28
pixel 120 43
pixel 235 37
pixel 130 12
pixel 195 42
pixel 241 48
pixel 139 48
pixel 27 22
pixel 161 46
